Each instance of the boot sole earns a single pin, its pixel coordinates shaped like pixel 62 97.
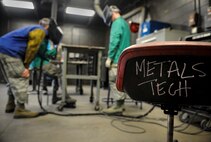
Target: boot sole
pixel 70 105
pixel 115 113
pixel 21 117
pixel 9 111
pixel 54 101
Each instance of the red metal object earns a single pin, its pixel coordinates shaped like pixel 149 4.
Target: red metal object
pixel 160 49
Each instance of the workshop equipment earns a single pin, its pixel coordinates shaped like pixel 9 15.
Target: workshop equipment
pixel 151 26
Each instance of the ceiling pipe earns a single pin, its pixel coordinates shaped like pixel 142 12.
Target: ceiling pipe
pixel 45 1
pixel 54 9
pixel 99 10
pixel 133 12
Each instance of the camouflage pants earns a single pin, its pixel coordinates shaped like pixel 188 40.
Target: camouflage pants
pixel 13 68
pixel 52 70
pixel 112 83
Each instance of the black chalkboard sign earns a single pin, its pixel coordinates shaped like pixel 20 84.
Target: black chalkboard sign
pixel 169 79
pixel 169 73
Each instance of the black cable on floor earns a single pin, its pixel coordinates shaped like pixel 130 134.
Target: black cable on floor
pixel 126 118
pixel 127 131
pixel 45 112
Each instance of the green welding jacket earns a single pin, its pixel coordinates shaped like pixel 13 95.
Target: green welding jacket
pixel 119 39
pixel 44 53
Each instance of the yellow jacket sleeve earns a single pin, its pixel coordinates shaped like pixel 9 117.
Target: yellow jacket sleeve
pixel 35 38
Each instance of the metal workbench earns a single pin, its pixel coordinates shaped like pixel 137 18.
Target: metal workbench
pixel 82 50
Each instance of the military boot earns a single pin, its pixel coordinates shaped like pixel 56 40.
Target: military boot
pixel 116 109
pixel 55 99
pixel 70 99
pixel 21 112
pixel 45 91
pixel 70 102
pixel 10 107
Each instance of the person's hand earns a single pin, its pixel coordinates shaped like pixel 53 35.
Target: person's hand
pixel 108 63
pixel 25 73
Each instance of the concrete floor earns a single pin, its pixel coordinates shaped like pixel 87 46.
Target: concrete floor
pixel 94 128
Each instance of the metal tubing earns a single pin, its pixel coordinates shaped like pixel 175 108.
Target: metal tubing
pixel 54 8
pixel 98 79
pixel 170 128
pixel 64 72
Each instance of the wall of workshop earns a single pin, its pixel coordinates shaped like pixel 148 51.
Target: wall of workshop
pixel 3 30
pixel 176 12
pixel 83 35
pixel 15 23
pixel 3 21
pixel 73 34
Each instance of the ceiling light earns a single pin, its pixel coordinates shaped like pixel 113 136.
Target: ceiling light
pixel 18 4
pixel 80 11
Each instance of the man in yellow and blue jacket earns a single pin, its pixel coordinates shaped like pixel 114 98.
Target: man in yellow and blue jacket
pixel 17 49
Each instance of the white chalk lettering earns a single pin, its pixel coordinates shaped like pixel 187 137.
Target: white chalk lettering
pixel 159 89
pixel 145 82
pixel 161 66
pixel 175 69
pixel 172 89
pixel 153 92
pixel 149 68
pixel 183 70
pixel 159 74
pixel 141 68
pixel 151 83
pixel 203 74
pixel 179 90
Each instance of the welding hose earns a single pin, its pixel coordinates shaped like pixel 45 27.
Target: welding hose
pixel 45 112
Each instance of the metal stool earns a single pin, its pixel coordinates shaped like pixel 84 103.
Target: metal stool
pixel 171 74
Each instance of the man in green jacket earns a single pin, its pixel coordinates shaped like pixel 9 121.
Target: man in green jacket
pixel 119 40
pixel 43 57
pixel 45 54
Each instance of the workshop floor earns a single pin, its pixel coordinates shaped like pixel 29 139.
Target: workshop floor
pixel 92 128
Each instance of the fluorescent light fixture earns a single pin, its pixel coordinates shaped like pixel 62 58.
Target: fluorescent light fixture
pixel 80 11
pixel 18 4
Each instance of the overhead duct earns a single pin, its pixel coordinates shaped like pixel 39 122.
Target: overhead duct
pixel 45 1
pixel 99 10
pixel 133 12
